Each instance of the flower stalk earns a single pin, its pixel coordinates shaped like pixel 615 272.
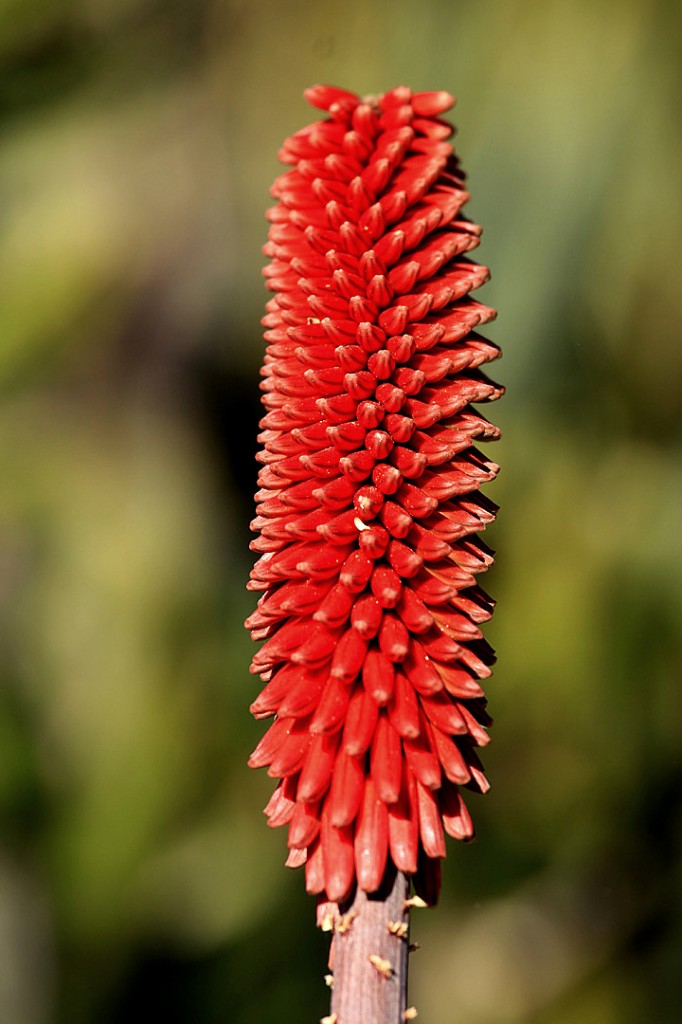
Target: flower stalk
pixel 369 954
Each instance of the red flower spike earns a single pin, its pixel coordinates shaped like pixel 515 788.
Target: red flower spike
pixel 369 501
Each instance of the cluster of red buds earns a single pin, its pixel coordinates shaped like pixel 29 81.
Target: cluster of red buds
pixel 369 506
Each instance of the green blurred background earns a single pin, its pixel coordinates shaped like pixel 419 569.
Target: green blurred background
pixel 137 878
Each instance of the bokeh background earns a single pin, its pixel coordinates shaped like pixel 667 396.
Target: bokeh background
pixel 137 878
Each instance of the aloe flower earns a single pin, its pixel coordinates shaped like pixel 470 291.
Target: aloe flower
pixel 369 506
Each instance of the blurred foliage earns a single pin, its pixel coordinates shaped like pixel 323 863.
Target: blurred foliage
pixel 138 145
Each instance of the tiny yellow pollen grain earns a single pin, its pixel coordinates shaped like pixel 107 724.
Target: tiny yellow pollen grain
pixel 344 923
pixel 331 1019
pixel 398 928
pixel 329 980
pixel 410 1013
pixel 415 901
pixel 380 965
pixel 359 525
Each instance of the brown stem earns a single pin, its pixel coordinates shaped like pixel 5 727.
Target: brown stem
pixel 369 951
